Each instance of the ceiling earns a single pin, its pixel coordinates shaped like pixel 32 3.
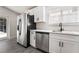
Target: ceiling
pixel 19 9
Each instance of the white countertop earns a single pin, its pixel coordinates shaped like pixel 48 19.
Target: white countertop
pixel 67 32
pixel 50 31
pixel 58 32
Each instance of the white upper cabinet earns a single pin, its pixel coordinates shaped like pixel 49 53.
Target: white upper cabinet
pixel 39 14
pixel 63 14
pixel 69 15
pixel 54 14
pixel 55 17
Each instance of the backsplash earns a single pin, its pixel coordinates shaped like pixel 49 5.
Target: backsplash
pixel 46 26
pixel 71 27
pixel 67 27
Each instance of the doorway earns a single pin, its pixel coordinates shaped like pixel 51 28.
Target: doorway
pixel 3 33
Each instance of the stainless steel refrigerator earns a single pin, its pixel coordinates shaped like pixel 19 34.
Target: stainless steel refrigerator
pixel 25 23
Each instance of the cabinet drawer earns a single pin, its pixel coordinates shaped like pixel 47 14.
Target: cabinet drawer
pixel 65 37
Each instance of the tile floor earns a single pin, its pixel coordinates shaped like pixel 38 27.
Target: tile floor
pixel 11 46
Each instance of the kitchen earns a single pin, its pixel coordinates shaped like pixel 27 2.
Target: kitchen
pixel 54 29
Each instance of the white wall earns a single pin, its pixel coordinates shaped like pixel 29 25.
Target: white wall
pixel 11 22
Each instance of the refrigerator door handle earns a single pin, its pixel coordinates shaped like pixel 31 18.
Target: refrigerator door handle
pixel 18 27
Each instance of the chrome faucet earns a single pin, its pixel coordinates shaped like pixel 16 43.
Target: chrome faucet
pixel 61 28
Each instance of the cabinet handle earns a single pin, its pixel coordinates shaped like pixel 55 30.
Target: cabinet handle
pixel 59 44
pixel 62 44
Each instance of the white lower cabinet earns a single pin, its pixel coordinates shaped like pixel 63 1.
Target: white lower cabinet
pixel 70 47
pixel 57 45
pixel 33 38
pixel 54 46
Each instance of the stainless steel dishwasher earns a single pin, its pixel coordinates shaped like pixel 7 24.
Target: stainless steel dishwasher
pixel 42 41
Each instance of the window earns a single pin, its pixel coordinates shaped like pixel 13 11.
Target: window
pixel 2 24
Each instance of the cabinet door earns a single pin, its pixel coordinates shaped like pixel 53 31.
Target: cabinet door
pixel 69 18
pixel 40 14
pixel 54 46
pixel 38 40
pixel 45 42
pixel 55 18
pixel 70 47
pixel 36 13
pixel 32 39
pixel 69 15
